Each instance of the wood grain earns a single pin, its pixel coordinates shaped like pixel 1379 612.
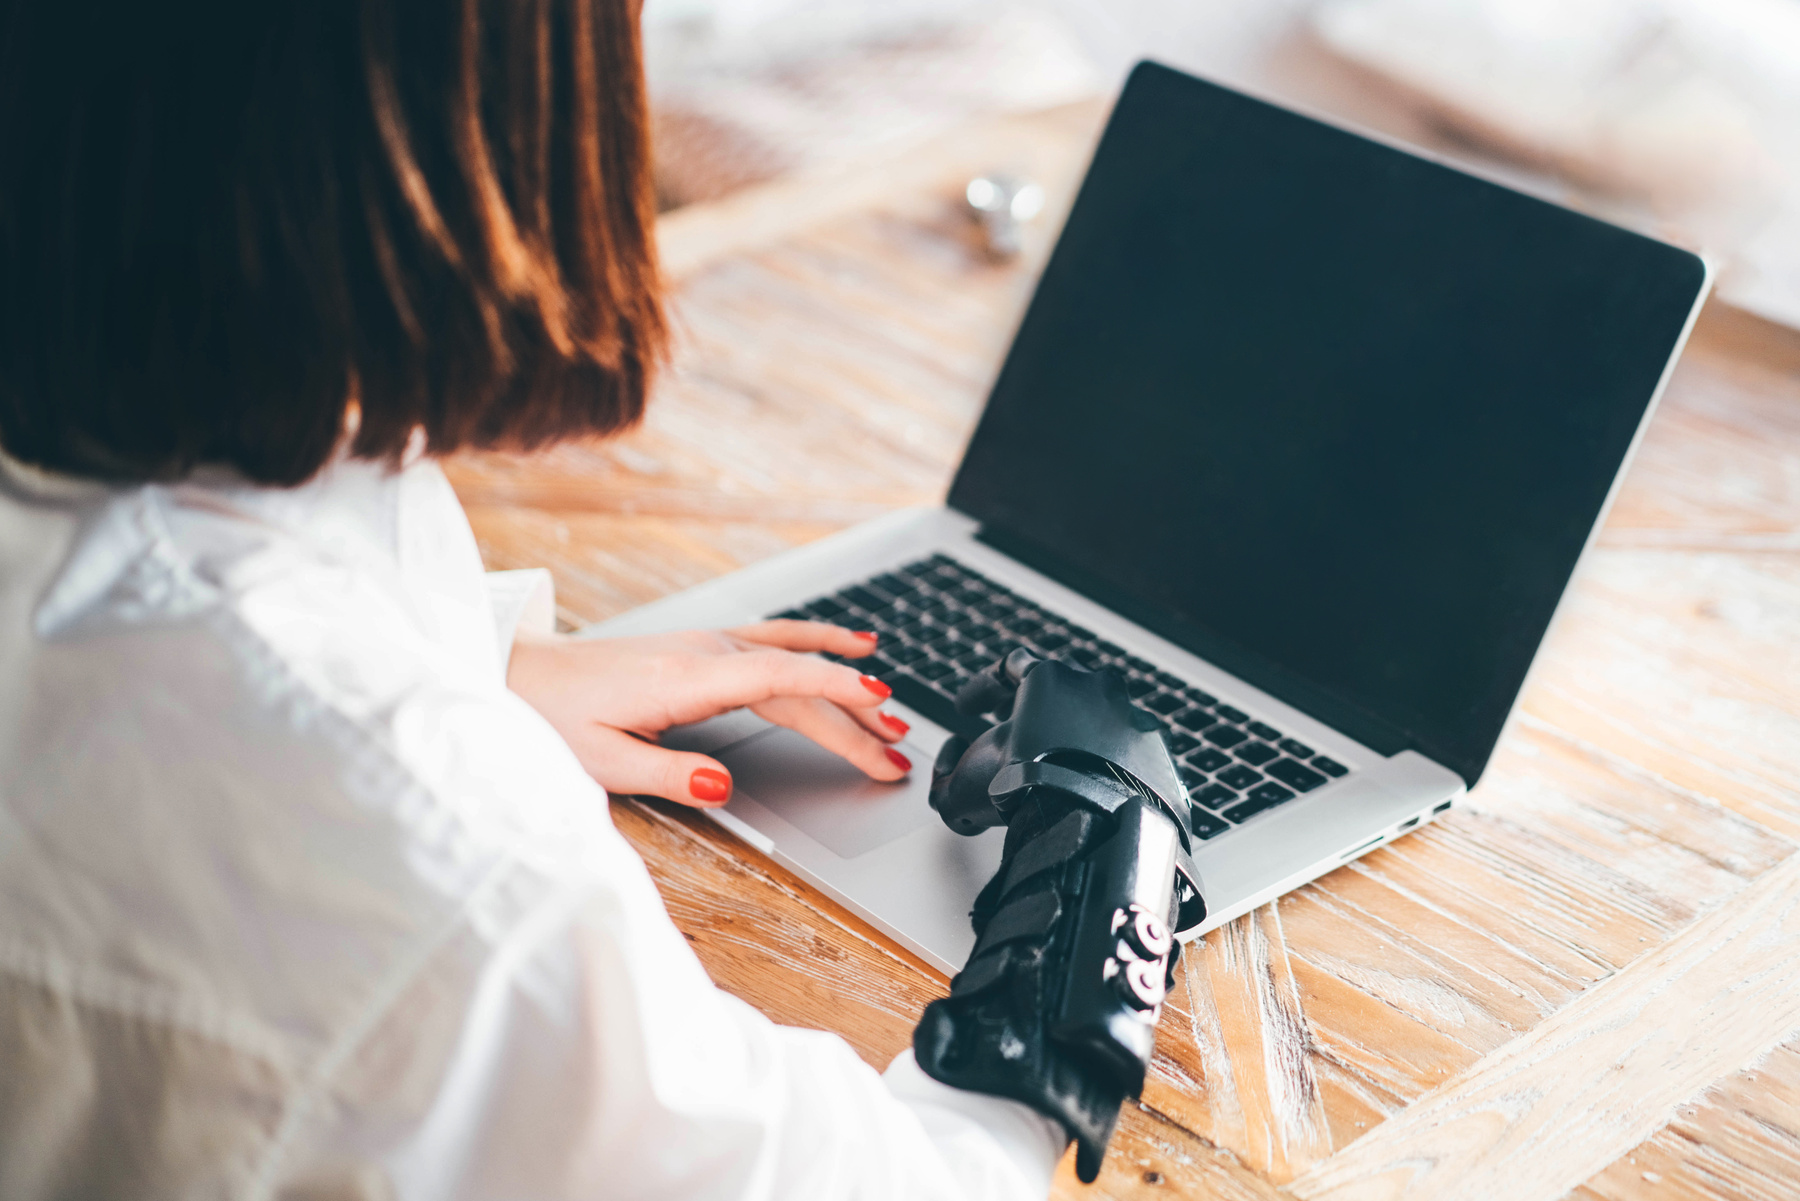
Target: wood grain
pixel 1739 1141
pixel 836 343
pixel 1263 1099
pixel 1548 1109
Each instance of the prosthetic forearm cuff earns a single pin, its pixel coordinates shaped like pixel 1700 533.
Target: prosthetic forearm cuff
pixel 1058 1003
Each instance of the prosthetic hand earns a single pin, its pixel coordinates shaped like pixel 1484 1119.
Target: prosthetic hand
pixel 1075 948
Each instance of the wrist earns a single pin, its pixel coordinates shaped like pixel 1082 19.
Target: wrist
pixel 531 661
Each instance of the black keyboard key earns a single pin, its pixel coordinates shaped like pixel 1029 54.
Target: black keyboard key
pixel 1142 666
pixel 1087 659
pixel 1051 641
pixel 1208 759
pixel 879 666
pixel 904 654
pixel 1165 703
pixel 1172 683
pixel 1295 775
pixel 1195 719
pixel 825 609
pixel 1138 686
pixel 862 598
pixel 1193 780
pixel 1240 777
pixel 975 661
pixel 1225 736
pixel 1298 750
pixel 1264 798
pixel 1265 731
pixel 1206 825
pixel 922 700
pixel 1198 697
pixel 792 615
pixel 1180 743
pixel 1330 767
pixel 1214 796
pixel 935 670
pixel 1258 753
pixel 1230 714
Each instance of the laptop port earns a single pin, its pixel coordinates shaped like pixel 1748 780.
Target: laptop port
pixel 1355 851
pixel 1443 806
pixel 1408 824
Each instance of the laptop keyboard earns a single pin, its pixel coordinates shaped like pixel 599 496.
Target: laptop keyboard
pixel 941 622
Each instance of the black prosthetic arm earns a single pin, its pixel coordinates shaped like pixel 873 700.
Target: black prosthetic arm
pixel 1058 1003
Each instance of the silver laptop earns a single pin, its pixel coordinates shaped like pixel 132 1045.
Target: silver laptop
pixel 1304 434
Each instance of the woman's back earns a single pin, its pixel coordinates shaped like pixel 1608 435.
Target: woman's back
pixel 244 810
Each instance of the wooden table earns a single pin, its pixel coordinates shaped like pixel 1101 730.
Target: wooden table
pixel 1585 983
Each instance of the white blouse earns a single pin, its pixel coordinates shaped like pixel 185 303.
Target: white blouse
pixel 298 900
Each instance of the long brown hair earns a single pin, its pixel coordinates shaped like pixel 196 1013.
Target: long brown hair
pixel 220 222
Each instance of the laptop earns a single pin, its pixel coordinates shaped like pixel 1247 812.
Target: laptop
pixel 1303 433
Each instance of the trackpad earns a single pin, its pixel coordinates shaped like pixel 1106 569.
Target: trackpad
pixel 824 797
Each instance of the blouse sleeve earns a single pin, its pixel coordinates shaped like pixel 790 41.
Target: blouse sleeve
pixel 524 602
pixel 561 1040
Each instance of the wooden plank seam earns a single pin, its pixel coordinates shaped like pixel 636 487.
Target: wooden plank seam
pixel 1539 1116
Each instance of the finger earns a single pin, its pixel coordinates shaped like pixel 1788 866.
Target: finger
pixel 716 683
pixel 838 732
pixel 624 764
pixel 792 635
pixel 880 722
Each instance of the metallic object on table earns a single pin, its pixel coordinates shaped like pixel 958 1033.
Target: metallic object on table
pixel 1003 204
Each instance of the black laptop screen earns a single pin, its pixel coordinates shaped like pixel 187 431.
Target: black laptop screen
pixel 1332 415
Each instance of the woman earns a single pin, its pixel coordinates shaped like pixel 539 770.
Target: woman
pixel 307 882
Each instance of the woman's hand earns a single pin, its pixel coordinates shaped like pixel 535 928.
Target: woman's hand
pixel 611 697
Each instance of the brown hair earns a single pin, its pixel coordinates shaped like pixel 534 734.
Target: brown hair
pixel 221 222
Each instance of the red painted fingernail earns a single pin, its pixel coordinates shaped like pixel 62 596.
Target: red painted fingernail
pixel 897 759
pixel 895 724
pixel 867 635
pixel 709 785
pixel 877 687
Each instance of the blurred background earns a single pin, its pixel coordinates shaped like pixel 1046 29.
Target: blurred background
pixel 1678 117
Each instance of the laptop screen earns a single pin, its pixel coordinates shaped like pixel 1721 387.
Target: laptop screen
pixel 1335 417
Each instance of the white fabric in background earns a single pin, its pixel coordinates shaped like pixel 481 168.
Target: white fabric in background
pixel 296 900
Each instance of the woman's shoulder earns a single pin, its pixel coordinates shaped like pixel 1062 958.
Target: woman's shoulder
pixel 277 637
pixel 234 743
